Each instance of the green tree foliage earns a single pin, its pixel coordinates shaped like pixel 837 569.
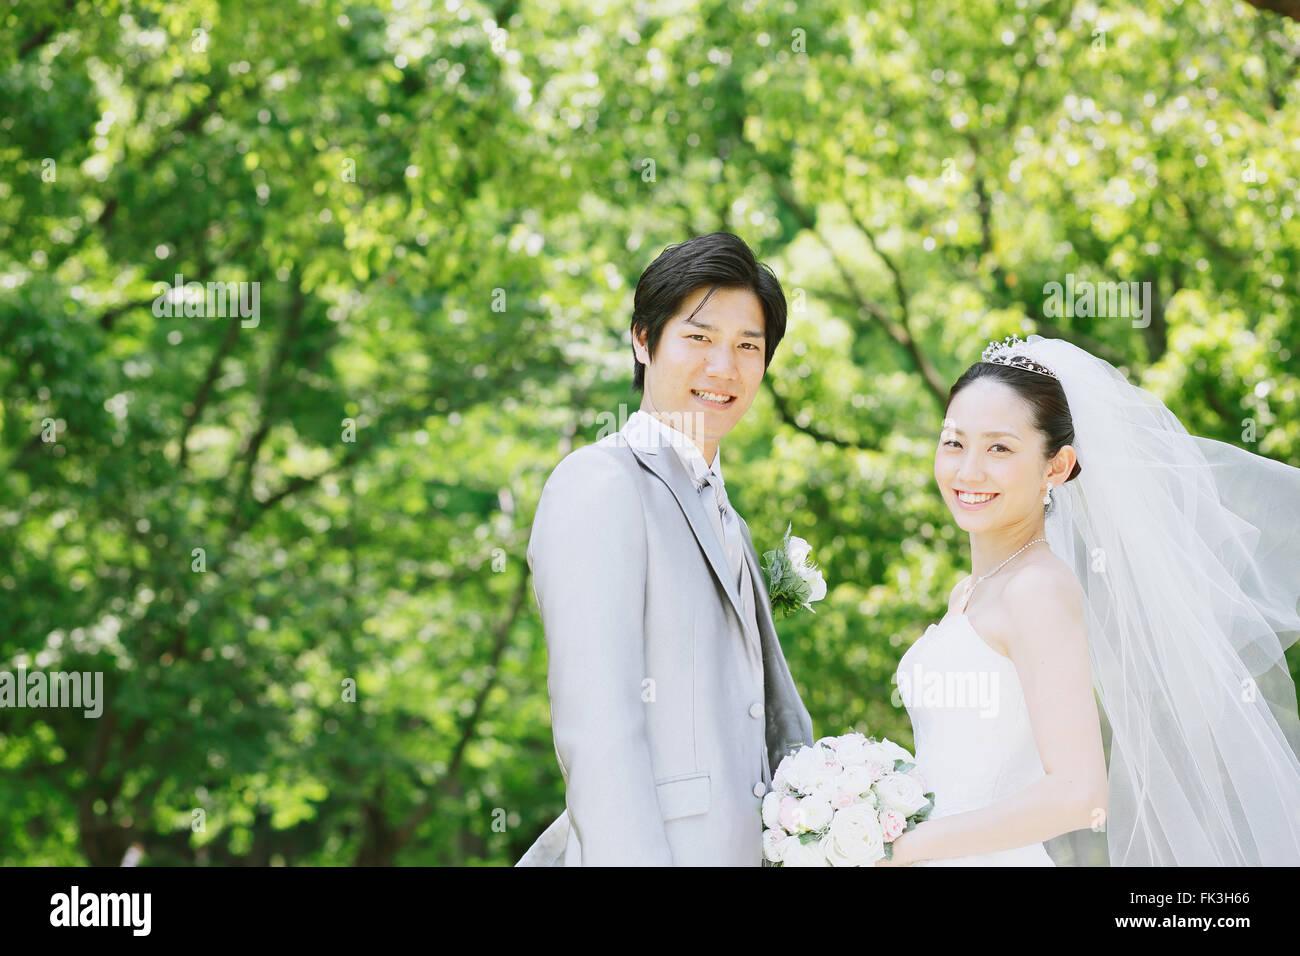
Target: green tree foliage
pixel 294 544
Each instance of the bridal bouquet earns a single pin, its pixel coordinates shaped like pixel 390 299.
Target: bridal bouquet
pixel 793 581
pixel 842 802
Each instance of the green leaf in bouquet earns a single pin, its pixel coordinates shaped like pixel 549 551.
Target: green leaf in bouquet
pixel 924 812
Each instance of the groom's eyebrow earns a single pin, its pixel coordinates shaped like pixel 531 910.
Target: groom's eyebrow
pixel 748 333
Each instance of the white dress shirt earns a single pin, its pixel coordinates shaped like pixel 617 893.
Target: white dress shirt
pixel 643 430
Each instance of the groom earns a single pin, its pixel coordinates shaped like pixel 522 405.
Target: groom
pixel 671 701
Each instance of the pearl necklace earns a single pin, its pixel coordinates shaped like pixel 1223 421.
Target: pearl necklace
pixel 970 588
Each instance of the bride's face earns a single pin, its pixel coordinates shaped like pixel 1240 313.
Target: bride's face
pixel 990 463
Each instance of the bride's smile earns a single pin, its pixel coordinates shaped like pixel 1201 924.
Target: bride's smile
pixel 974 500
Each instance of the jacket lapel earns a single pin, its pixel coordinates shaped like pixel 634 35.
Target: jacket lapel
pixel 672 472
pixel 787 723
pixel 762 603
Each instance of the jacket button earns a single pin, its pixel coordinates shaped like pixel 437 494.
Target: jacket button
pixel 759 789
pixel 756 710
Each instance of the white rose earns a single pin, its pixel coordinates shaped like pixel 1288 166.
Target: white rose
pixel 851 750
pixel 901 792
pixel 896 752
pixel 771 806
pixel 817 585
pixel 855 780
pixel 787 776
pixel 797 853
pixel 855 838
pixel 774 842
pixel 811 769
pixel 815 813
pixel 830 759
pixel 781 779
pixel 797 550
pixel 885 752
pixel 821 786
pixel 873 752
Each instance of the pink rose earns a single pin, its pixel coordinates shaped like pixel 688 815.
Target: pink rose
pixel 788 815
pixel 842 799
pixel 892 823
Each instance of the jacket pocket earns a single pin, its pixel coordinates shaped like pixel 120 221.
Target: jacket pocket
pixel 684 795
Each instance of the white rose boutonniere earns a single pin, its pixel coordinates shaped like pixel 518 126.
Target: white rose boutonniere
pixel 793 581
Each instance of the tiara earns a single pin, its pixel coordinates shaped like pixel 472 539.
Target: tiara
pixel 1010 352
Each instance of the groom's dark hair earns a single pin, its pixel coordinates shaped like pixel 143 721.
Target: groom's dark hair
pixel 719 260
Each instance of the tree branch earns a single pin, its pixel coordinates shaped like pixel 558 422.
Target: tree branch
pixel 42 36
pixel 933 381
pixel 248 458
pixel 787 416
pixel 204 393
pixel 896 330
pixel 500 639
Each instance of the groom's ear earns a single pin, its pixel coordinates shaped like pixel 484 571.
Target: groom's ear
pixel 639 347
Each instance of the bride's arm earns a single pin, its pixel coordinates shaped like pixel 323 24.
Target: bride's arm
pixel 1048 643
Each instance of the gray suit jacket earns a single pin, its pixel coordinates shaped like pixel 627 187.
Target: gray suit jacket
pixel 668 712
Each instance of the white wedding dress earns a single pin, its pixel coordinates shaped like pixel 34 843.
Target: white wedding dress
pixel 974 744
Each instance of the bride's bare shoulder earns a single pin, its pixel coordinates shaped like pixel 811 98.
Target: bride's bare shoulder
pixel 1046 572
pixel 1042 596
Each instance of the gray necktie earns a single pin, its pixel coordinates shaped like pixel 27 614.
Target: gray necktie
pixel 725 523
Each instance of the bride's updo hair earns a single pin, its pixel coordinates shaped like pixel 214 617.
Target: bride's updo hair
pixel 1044 395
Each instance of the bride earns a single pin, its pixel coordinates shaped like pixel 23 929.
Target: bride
pixel 1114 553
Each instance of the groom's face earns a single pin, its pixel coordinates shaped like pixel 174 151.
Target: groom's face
pixel 706 368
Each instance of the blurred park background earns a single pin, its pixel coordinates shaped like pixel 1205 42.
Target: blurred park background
pixel 293 539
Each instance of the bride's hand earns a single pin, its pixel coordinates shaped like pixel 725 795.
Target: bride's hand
pixel 900 854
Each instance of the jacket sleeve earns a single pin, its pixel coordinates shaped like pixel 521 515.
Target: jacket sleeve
pixel 587 553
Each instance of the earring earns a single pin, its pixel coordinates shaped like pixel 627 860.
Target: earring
pixel 1047 495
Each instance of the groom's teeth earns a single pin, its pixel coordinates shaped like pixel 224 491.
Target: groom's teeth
pixel 973 499
pixel 713 396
